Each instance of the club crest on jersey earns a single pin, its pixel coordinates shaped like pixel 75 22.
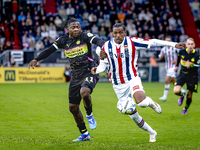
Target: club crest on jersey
pixel 89 34
pixel 125 47
pixel 78 42
pixel 192 60
pixel 182 56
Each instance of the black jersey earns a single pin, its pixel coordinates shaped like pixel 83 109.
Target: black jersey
pixel 78 50
pixel 194 60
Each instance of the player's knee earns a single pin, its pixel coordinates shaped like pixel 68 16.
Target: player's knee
pixel 85 93
pixel 74 109
pixel 176 90
pixel 189 95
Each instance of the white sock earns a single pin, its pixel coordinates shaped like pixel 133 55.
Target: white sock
pixel 146 102
pixel 86 132
pixel 167 86
pixel 139 121
pixel 89 115
pixel 182 90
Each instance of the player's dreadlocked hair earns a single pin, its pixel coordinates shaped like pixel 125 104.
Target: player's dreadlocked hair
pixel 116 25
pixel 67 23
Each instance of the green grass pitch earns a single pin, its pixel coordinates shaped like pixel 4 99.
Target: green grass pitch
pixel 36 117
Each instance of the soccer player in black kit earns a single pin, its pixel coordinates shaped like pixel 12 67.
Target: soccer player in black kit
pixel 77 47
pixel 190 61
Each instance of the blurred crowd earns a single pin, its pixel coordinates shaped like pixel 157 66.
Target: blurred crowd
pixel 38 29
pixel 195 6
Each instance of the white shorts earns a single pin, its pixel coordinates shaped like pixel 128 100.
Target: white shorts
pixel 128 89
pixel 171 73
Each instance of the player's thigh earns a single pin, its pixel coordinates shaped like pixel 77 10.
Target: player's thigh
pixel 136 85
pixel 90 81
pixel 122 90
pixel 167 79
pixel 171 73
pixel 192 84
pixel 180 80
pixel 74 90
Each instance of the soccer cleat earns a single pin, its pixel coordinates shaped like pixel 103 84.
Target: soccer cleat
pixel 153 137
pixel 156 107
pixel 83 137
pixel 163 98
pixel 180 100
pixel 184 112
pixel 91 121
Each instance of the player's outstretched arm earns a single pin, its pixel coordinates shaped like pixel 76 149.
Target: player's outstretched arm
pixel 44 54
pixel 155 42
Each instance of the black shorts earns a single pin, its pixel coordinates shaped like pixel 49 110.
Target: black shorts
pixel 191 81
pixel 87 80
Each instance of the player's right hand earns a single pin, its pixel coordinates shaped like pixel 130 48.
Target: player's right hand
pixel 32 64
pixel 93 70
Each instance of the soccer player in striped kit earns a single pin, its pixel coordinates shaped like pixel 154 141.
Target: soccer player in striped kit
pixel 170 55
pixel 122 56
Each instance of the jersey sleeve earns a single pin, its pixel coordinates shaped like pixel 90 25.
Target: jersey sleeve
pixel 178 58
pixel 140 43
pixel 147 43
pixel 102 66
pixel 92 39
pixel 155 42
pixel 58 44
pixel 161 52
pixel 197 62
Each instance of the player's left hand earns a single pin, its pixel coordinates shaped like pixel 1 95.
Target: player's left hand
pixel 102 54
pixel 180 45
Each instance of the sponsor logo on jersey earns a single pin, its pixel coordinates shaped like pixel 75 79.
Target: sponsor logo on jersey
pixel 76 51
pixel 192 60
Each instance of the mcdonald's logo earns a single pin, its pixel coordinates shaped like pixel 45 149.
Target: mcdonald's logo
pixel 9 75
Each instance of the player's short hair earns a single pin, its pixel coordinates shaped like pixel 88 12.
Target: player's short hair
pixel 67 23
pixel 168 37
pixel 116 25
pixel 191 39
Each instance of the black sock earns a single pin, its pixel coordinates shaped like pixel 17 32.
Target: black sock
pixel 180 94
pixel 188 102
pixel 82 128
pixel 88 110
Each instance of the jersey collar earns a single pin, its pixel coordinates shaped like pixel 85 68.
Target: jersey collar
pixel 192 51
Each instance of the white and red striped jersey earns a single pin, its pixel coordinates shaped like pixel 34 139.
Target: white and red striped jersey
pixel 170 55
pixel 122 58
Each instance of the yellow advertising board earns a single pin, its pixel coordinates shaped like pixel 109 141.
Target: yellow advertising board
pixel 37 75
